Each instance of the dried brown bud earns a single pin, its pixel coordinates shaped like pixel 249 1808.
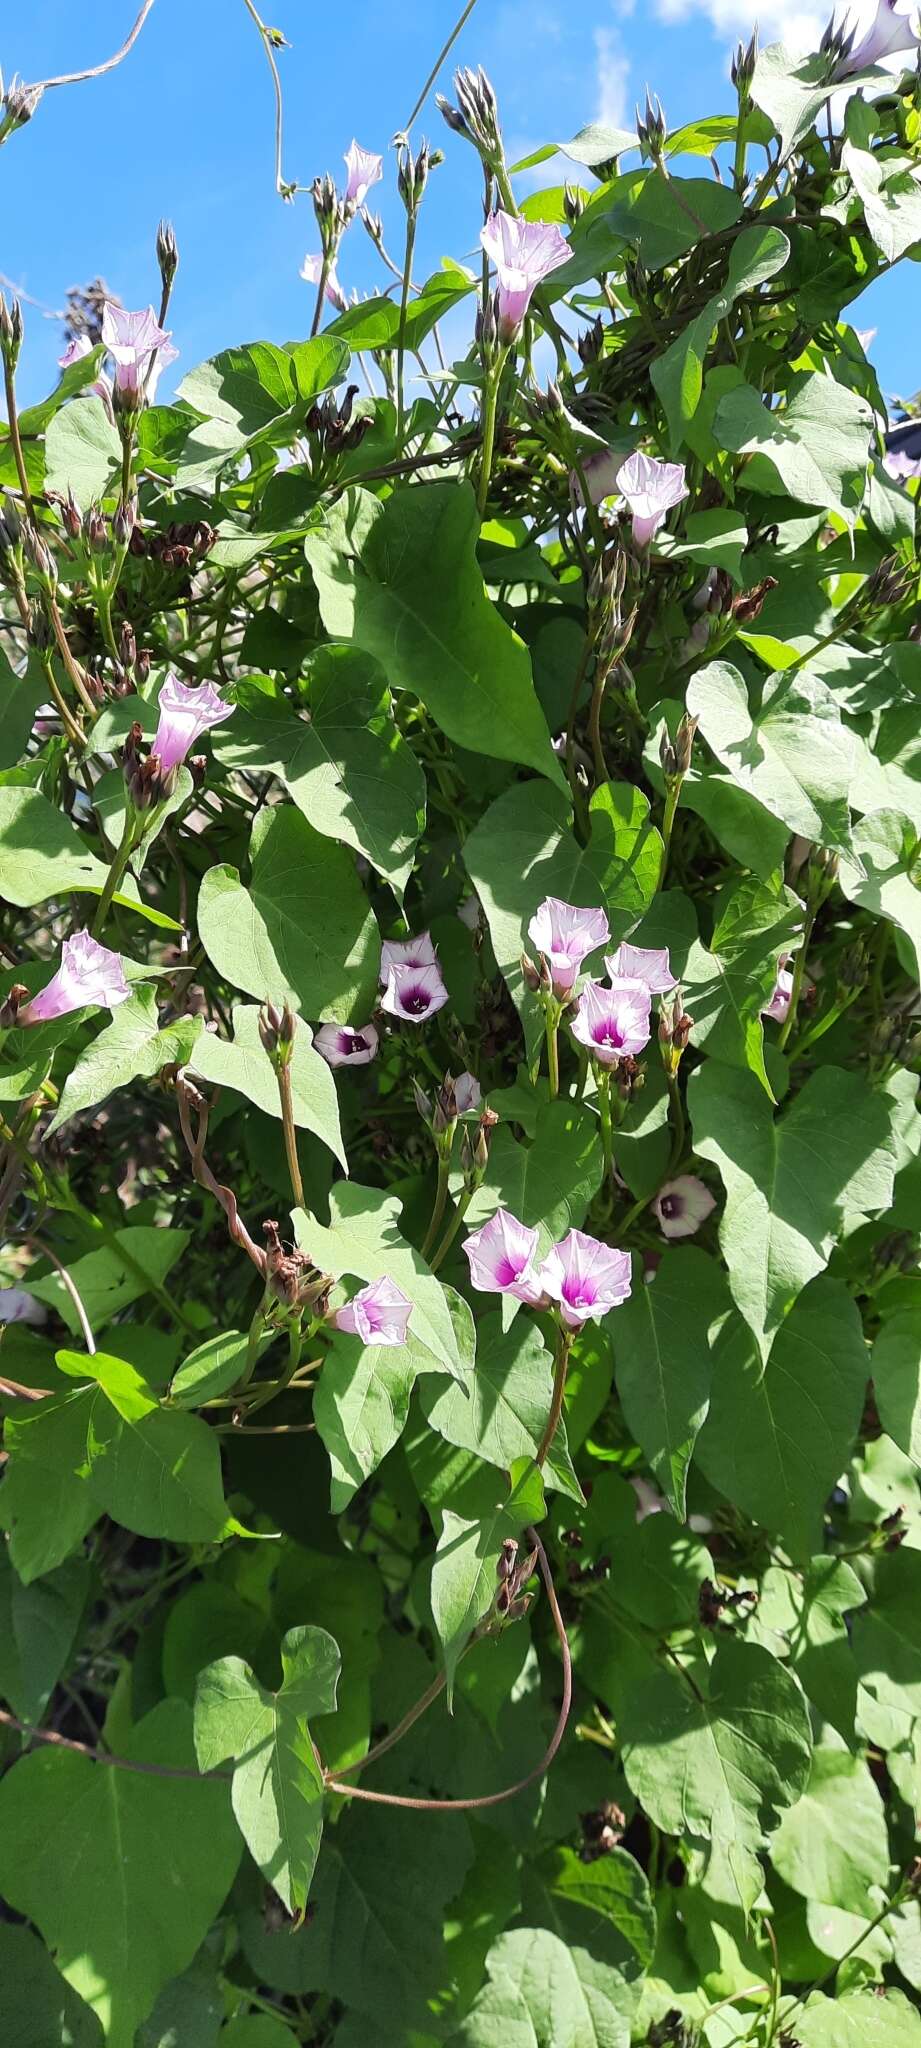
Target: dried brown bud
pixel 749 603
pixel 11 1006
pixel 531 974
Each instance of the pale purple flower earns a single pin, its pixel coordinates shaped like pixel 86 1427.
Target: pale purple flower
pixel 17 1305
pixel 467 1094
pixel 586 1278
pixel 901 466
pixel 184 714
pixel 377 1314
pixel 364 169
pixel 651 488
pixel 418 952
pixel 524 253
pixel 888 34
pixel 566 934
pixel 601 472
pixel 648 964
pixel 76 351
pixel 132 339
pixel 342 1046
pixel 311 271
pixel 779 1005
pixel 613 1022
pixel 89 977
pixel 501 1255
pixel 414 993
pixel 682 1205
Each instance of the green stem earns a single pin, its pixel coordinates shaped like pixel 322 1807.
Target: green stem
pixel 594 724
pixel 325 269
pixel 488 430
pixel 271 1393
pixel 672 799
pixel 283 1077
pixel 563 1348
pixel 552 1026
pixel 578 680
pixel 404 301
pixel 680 1128
pixel 438 1207
pixel 799 971
pixel 114 876
pixel 453 1227
pixel 253 1340
pixel 603 1079
pixel 741 149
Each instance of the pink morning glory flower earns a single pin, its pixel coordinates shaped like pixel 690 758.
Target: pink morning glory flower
pixel 651 488
pixel 888 34
pixel 901 466
pixel 131 339
pixel 779 1005
pixel 524 253
pixel 342 1046
pixel 377 1314
pixel 89 977
pixel 501 1255
pixel 364 169
pixel 311 271
pixel 682 1205
pixel 414 993
pixel 585 1277
pixel 613 1023
pixel 184 714
pixel 565 935
pixel 418 952
pixel 648 964
pixel 467 1093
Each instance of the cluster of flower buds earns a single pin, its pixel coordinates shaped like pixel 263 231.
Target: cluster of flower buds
pixel 674 1031
pixel 276 1033
pixel 290 1277
pixel 675 754
pixel 476 116
pixel 39 557
pixel 167 253
pixel 742 68
pixel 474 1155
pixel 609 629
pixel 331 212
pixel 889 584
pixel 19 102
pixel 513 1571
pixel 181 545
pixel 331 427
pixel 413 171
pixel 11 332
pixel 10 539
pixel 458 1096
pixel 590 343
pixel 652 130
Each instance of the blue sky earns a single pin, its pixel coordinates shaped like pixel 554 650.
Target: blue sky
pixel 184 128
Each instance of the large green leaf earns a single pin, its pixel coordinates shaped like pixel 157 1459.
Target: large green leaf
pixel 244 1064
pixel 344 762
pixel 302 929
pixel 277 1781
pixel 464 1577
pixel 252 387
pixel 22 690
pixel 886 881
pixel 541 1993
pixel 804 1610
pixel 360 1407
pixel 779 1434
pixel 38 1624
pixel 548 1182
pixel 135 1262
pixel 815 449
pixel 793 754
pixel 157 1853
pixel 132 1047
pixel 755 255
pixel 662 1339
pixel 833 1844
pixel 502 1413
pixel 793 89
pixel 400 580
pixel 875 2017
pixel 36 2005
pixel 896 1369
pixel 722 1756
pixel 886 1635
pixel 83 453
pixel 788 1179
pixel 363 1241
pixel 727 984
pixel 43 855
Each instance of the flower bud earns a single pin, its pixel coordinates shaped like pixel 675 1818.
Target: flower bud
pixel 11 331
pixel 590 344
pixel 19 103
pixel 39 555
pixel 742 69
pixel 453 117
pixel 531 974
pixel 651 128
pixel 124 521
pixel 573 203
pixel 11 1006
pixel 95 531
pixel 71 516
pixel 486 330
pixel 167 252
pixel 11 520
pixel 40 635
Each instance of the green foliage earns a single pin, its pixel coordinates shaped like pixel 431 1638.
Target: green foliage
pixel 398 1642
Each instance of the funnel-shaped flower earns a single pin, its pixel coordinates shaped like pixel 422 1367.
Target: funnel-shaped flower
pixel 377 1314
pixel 648 964
pixel 651 488
pixel 613 1023
pixel 524 253
pixel 888 34
pixel 341 1046
pixel 132 339
pixel 501 1256
pixel 364 169
pixel 779 1004
pixel 467 1094
pixel 418 952
pixel 585 1277
pixel 565 934
pixel 185 713
pixel 682 1205
pixel 89 977
pixel 311 271
pixel 899 464
pixel 414 993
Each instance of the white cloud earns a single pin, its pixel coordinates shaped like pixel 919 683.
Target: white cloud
pixel 778 20
pixel 613 107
